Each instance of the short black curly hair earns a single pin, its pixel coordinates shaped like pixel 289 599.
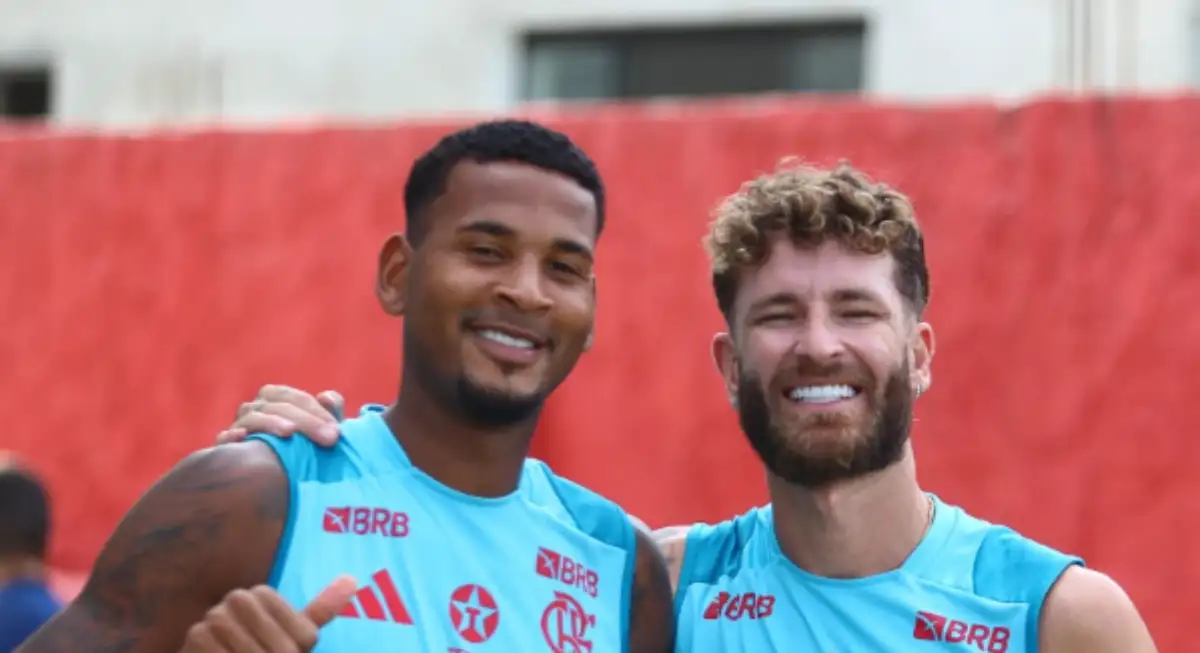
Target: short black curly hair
pixel 24 514
pixel 501 140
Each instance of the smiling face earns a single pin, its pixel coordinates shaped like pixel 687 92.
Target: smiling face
pixel 820 362
pixel 821 279
pixel 499 298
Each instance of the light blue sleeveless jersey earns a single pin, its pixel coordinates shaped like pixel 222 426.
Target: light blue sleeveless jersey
pixel 968 586
pixel 547 568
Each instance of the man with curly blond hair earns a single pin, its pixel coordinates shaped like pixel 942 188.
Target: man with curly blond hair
pixel 821 277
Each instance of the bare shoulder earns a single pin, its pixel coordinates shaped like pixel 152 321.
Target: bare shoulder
pixel 671 542
pixel 652 607
pixel 211 525
pixel 1088 612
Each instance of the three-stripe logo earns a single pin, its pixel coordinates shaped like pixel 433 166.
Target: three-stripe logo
pixel 366 603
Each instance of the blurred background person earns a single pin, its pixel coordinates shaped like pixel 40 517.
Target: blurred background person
pixel 26 599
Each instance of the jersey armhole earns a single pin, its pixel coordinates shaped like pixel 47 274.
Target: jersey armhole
pixel 1014 569
pixel 286 451
pixel 709 552
pixel 607 522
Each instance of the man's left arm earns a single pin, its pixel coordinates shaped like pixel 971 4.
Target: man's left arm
pixel 1087 612
pixel 652 605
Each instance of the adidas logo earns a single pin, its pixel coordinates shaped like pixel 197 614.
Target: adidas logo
pixel 379 601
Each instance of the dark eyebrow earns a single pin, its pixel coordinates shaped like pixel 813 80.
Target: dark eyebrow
pixel 492 228
pixel 573 247
pixel 849 295
pixel 487 227
pixel 778 299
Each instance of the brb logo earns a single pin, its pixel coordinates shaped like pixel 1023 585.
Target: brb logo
pixel 736 606
pixel 936 628
pixel 365 521
pixel 556 566
pixel 565 625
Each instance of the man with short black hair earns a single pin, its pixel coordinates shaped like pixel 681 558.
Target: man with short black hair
pixel 430 506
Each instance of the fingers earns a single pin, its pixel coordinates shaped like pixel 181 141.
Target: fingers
pixel 291 630
pixel 229 631
pixel 259 620
pixel 330 601
pixel 231 435
pixel 284 420
pixel 333 402
pixel 282 394
pixel 200 639
pixel 283 411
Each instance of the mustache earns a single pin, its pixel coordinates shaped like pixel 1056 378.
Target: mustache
pixel 807 369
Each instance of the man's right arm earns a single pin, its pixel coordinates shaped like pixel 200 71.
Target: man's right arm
pixel 208 527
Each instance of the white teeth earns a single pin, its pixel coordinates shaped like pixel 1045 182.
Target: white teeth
pixel 821 394
pixel 506 340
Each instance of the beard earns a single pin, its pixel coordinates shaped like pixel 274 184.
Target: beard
pixel 486 408
pixel 793 454
pixel 476 404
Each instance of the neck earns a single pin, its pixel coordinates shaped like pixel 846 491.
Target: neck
pixel 855 528
pixel 21 567
pixel 481 461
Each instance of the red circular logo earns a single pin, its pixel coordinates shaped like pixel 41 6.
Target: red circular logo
pixel 473 613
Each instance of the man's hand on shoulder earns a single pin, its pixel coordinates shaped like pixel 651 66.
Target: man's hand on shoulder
pixel 652 605
pixel 1087 612
pixel 211 525
pixel 283 412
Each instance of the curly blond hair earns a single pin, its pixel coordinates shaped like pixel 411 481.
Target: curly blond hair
pixel 809 205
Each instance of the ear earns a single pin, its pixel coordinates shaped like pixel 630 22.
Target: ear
pixel 591 336
pixel 391 281
pixel 921 348
pixel 724 355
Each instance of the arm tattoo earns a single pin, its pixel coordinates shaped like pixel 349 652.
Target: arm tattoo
pixel 210 526
pixel 652 608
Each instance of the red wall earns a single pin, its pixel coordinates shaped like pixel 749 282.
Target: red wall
pixel 154 283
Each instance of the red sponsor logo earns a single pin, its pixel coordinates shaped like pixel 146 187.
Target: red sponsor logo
pixel 565 625
pixel 473 613
pixel 365 521
pixel 569 572
pixel 736 606
pixel 367 603
pixel 936 628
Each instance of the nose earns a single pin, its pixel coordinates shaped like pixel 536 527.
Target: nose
pixel 819 341
pixel 523 286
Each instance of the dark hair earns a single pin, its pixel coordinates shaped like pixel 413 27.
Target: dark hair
pixel 503 140
pixel 24 514
pixel 809 205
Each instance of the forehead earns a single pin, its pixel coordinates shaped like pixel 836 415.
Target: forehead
pixel 523 197
pixel 812 274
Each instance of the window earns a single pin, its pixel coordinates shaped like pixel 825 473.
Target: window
pixel 25 92
pixel 825 57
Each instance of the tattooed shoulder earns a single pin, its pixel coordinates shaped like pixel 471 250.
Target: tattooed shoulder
pixel 209 526
pixel 652 608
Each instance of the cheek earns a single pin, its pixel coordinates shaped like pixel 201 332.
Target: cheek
pixel 761 351
pixel 574 318
pixel 439 299
pixel 883 352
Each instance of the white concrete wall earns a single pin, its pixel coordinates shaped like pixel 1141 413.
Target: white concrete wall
pixel 126 63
